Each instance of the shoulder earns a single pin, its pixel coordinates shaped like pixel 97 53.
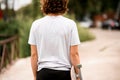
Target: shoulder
pixel 69 21
pixel 36 23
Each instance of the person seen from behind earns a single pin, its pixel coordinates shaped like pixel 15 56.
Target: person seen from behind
pixel 54 43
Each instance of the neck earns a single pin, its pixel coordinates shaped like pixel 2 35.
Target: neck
pixel 53 14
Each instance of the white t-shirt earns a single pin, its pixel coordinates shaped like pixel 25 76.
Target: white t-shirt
pixel 53 36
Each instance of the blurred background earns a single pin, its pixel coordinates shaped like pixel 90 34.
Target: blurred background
pixel 98 23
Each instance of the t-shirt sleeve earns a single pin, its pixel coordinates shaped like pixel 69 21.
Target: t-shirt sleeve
pixel 31 39
pixel 74 35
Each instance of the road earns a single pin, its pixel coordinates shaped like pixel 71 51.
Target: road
pixel 100 59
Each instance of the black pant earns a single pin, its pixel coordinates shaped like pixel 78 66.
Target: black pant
pixel 50 74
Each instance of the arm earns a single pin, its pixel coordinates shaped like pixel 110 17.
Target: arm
pixel 75 59
pixel 34 58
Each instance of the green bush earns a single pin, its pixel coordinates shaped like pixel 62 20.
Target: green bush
pixel 9 28
pixel 85 34
pixel 26 11
pixel 24 29
pixel 20 26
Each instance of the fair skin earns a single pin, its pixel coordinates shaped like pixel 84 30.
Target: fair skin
pixel 34 58
pixel 74 56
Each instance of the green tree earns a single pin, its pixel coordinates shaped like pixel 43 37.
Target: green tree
pixel 36 8
pixel 82 7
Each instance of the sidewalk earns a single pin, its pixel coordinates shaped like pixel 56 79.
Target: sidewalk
pixel 100 59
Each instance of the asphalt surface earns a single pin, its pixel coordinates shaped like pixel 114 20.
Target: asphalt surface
pixel 100 59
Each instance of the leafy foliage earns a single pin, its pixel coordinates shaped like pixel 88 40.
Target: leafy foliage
pixel 9 28
pixel 24 29
pixel 26 11
pixel 82 7
pixel 36 8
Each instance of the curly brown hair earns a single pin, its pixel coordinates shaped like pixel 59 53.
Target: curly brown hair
pixel 54 6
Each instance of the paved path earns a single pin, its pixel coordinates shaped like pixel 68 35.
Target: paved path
pixel 100 59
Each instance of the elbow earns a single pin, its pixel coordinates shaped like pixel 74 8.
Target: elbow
pixel 74 55
pixel 75 59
